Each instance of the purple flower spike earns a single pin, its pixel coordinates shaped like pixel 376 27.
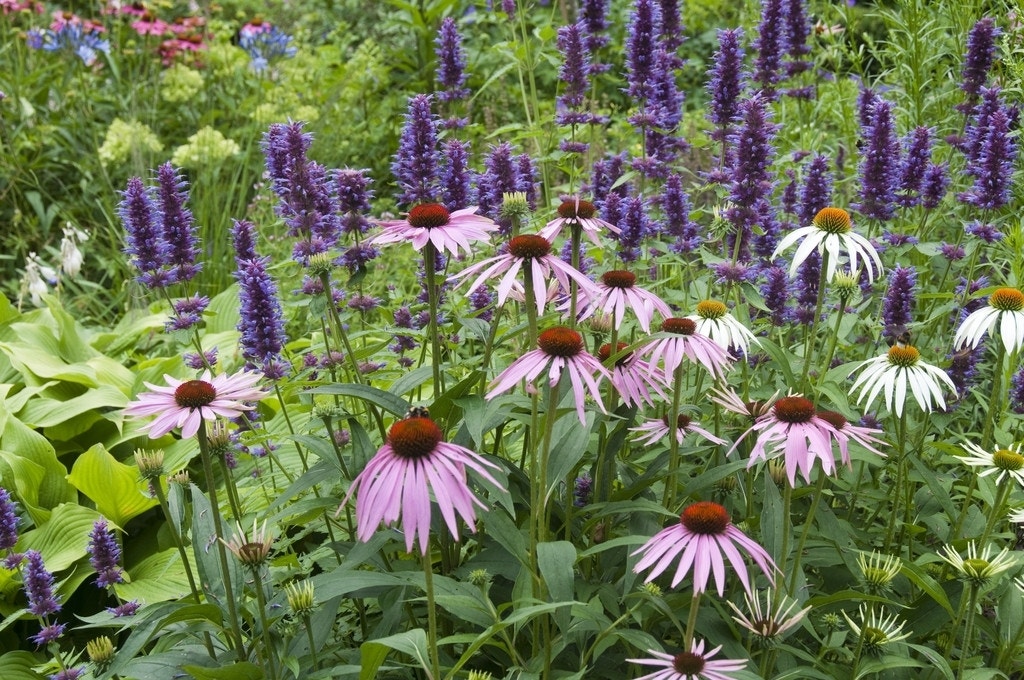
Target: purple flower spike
pixel 500 176
pixel 641 49
pixel 415 164
pixel 918 145
pixel 39 586
pixel 261 323
pixel 177 225
pixel 594 17
pixel 770 45
pixel 726 82
pixel 899 301
pixel 456 176
pixel 798 28
pixel 992 166
pixel 981 51
pixel 751 187
pixel 672 32
pixel 146 246
pixel 451 62
pixel 8 522
pixel 243 235
pixel 635 226
pixel 775 292
pixel 934 185
pixel 105 555
pixel 354 194
pixel 880 166
pixel 675 205
pixel 575 74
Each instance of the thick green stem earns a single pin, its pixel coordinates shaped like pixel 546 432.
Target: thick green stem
pixel 430 267
pixel 428 582
pixel 691 620
pixel 815 499
pixel 671 483
pixel 268 642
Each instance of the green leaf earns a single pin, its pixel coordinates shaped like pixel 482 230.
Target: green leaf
pixel 408 382
pixel 158 578
pixel 373 653
pixel 556 562
pixel 115 487
pixel 243 670
pixel 385 400
pixel 63 539
pixel 53 488
pixel 18 665
pixel 935 657
pixel 927 584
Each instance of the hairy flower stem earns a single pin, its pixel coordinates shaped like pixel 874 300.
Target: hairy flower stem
pixel 901 479
pixel 229 487
pixel 815 499
pixel 339 329
pixel 430 267
pixel 813 326
pixel 691 619
pixel 994 409
pixel 996 512
pixel 576 234
pixel 671 483
pixel 211 490
pixel 965 648
pixel 545 456
pixel 787 524
pixel 830 351
pixel 308 625
pixel 161 498
pixel 268 642
pixel 428 583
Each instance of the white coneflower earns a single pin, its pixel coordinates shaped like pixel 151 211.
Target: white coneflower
pixel 768 621
pixel 831 231
pixel 876 630
pixel 1005 308
pixel 714 320
pixel 898 371
pixel 878 570
pixel 1003 462
pixel 977 569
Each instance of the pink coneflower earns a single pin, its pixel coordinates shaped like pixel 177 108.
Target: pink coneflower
pixel 695 664
pixel 655 430
pixel 560 349
pixel 577 211
pixel 615 293
pixel 686 343
pixel 533 253
pixel 631 376
pixel 448 231
pixel 847 432
pixel 793 428
pixel 186 403
pixel 149 24
pixel 703 536
pixel 398 481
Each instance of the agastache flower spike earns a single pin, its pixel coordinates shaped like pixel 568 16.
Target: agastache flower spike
pixel 675 205
pixel 992 167
pixel 751 186
pixel 642 33
pixel 415 163
pixel 456 176
pixel 880 166
pixel 104 555
pixel 39 586
pixel 574 73
pixel 261 321
pixel 726 82
pixel 899 300
pixel 145 244
pixel 981 49
pixel 918 154
pixel 770 46
pixel 177 224
pixel 451 62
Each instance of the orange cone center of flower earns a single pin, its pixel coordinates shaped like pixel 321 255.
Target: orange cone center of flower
pixel 1007 300
pixel 833 220
pixel 429 215
pixel 570 209
pixel 711 309
pixel 794 410
pixel 529 246
pixel 688 663
pixel 194 393
pixel 834 419
pixel 705 517
pixel 414 437
pixel 560 342
pixel 682 421
pixel 605 351
pixel 679 326
pixel 1005 459
pixel 618 278
pixel 903 356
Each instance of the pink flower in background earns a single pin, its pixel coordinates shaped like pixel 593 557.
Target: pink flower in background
pixel 583 213
pixel 448 231
pixel 398 482
pixel 845 432
pixel 615 293
pixel 654 430
pixel 703 540
pixel 560 349
pixel 632 377
pixel 686 343
pixel 530 253
pixel 186 403
pixel 695 664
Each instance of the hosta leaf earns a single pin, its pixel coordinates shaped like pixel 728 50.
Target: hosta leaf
pixel 115 488
pixel 63 539
pixel 158 578
pixel 53 489
pixel 18 666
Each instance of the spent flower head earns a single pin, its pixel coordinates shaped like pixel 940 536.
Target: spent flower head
pixel 769 616
pixel 876 630
pixel 978 569
pixel 877 571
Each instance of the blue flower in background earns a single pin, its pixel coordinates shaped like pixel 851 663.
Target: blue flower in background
pixel 84 42
pixel 266 45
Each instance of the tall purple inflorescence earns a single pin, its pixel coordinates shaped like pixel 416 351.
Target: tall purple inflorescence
pixel 177 225
pixel 145 243
pixel 751 186
pixel 415 164
pixel 981 50
pixel 500 176
pixel 8 523
pixel 991 164
pixel 934 184
pixel 775 293
pixel 879 167
pixel 105 555
pixel 672 33
pixel 1016 396
pixel 899 301
pixel 641 49
pixel 866 101
pixel 305 198
pixel 918 148
pixel 451 62
pixel 594 17
pixel 38 584
pixel 354 194
pixel 798 28
pixel 456 176
pixel 574 74
pixel 604 174
pixel 635 226
pixel 726 82
pixel 675 205
pixel 770 46
pixel 261 322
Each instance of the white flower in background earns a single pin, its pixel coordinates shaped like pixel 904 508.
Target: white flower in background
pixel 831 232
pixel 70 256
pixel 1006 310
pixel 714 320
pixel 33 283
pixel 900 372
